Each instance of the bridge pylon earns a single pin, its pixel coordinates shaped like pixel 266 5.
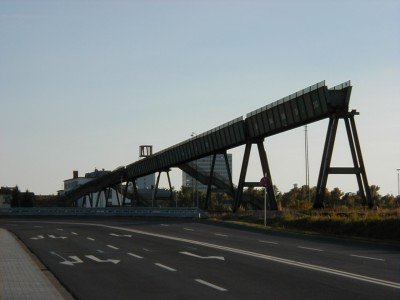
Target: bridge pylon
pixel 265 168
pixel 358 163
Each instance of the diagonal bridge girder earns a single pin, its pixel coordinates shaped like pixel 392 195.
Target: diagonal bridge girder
pixel 203 177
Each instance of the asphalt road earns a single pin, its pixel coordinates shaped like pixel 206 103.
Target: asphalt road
pixel 161 259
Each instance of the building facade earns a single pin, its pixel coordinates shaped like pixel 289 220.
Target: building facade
pixel 111 199
pixel 204 165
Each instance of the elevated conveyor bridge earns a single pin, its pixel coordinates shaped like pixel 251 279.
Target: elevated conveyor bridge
pixel 306 106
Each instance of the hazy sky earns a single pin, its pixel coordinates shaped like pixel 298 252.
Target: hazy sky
pixel 84 83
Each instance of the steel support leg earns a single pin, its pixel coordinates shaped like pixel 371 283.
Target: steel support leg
pixel 242 178
pixel 355 160
pixel 97 198
pixel 267 172
pixel 210 182
pixel 125 193
pixel 326 162
pixel 361 162
pixel 91 199
pixel 135 194
pixel 228 168
pixel 116 192
pixel 171 196
pixel 156 189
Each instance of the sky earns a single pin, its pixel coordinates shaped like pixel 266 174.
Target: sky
pixel 84 83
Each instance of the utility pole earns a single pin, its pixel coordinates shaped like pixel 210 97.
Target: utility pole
pixel 398 182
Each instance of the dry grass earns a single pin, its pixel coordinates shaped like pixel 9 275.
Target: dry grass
pixel 383 224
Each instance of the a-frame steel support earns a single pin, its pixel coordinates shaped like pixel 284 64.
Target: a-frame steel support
pixel 266 171
pixel 358 163
pixel 156 187
pixel 211 178
pixel 135 193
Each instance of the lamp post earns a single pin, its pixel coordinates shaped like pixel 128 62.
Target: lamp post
pixel 398 182
pixel 197 195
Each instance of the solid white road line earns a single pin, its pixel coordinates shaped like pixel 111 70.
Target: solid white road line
pixel 188 229
pixel 367 257
pixel 268 242
pixel 220 234
pixel 165 267
pixel 112 247
pixel 211 285
pixel 135 255
pixel 90 239
pixel 312 249
pixel 336 272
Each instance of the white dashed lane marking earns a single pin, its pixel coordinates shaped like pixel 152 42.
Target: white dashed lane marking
pixel 312 249
pixel 268 242
pixel 367 257
pixel 165 267
pixel 90 239
pixel 135 255
pixel 188 229
pixel 211 285
pixel 112 247
pixel 220 234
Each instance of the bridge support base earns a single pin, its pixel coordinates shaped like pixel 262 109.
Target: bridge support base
pixel 358 164
pixel 171 196
pixel 266 171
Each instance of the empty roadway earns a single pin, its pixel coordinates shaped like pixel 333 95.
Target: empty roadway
pixel 166 259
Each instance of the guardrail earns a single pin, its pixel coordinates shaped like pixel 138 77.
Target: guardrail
pixel 108 211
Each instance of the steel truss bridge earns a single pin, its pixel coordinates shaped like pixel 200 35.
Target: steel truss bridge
pixel 306 106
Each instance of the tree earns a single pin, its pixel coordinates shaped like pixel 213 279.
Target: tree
pixel 374 189
pixel 336 196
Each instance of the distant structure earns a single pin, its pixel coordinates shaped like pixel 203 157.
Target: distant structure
pixel 146 182
pixel 6 195
pixel 102 200
pixel 12 197
pixel 204 165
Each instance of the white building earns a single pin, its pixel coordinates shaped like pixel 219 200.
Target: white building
pixel 76 181
pixel 204 165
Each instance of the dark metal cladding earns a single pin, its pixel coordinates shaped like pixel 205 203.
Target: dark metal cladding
pixel 306 106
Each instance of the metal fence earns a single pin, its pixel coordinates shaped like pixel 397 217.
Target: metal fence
pixel 109 211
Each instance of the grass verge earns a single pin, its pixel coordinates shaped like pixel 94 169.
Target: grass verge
pixel 379 225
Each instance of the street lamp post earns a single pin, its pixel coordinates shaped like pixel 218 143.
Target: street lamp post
pixel 398 182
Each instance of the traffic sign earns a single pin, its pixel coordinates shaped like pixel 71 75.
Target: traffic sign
pixel 265 181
